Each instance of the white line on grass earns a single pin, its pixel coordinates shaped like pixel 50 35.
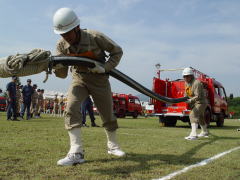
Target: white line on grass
pixel 131 134
pixel 137 135
pixel 202 163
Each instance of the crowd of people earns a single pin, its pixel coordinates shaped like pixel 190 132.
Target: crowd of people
pixel 21 99
pixel 30 99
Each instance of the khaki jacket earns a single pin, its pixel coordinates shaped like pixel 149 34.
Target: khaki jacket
pixel 19 95
pixel 40 99
pixel 34 97
pixel 95 42
pixel 55 101
pixel 195 91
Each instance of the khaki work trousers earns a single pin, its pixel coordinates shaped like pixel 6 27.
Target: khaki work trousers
pixel 39 108
pixel 197 114
pixel 55 108
pixel 98 86
pixel 33 108
pixel 18 106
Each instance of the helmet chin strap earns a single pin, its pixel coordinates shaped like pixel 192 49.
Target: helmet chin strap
pixel 77 34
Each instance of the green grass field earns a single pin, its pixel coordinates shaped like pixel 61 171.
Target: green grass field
pixel 30 150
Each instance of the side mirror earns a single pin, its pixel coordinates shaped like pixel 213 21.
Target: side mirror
pixel 231 96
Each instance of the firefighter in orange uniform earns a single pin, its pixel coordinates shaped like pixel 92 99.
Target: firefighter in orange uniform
pixel 86 81
pixel 197 102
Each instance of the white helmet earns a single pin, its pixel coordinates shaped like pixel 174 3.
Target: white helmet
pixel 187 71
pixel 65 20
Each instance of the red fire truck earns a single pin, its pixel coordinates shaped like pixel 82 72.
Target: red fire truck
pixel 217 108
pixel 3 103
pixel 126 105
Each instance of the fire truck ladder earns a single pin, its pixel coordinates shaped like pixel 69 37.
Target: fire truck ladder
pixel 199 74
pixel 71 61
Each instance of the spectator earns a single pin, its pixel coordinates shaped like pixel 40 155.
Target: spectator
pixel 18 98
pixel 61 105
pixel 11 100
pixel 48 106
pixel 39 102
pixel 87 106
pixel 55 105
pixel 34 101
pixel 1 92
pixel 27 93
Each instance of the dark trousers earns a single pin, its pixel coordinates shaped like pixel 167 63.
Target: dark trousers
pixel 12 109
pixel 26 105
pixel 89 109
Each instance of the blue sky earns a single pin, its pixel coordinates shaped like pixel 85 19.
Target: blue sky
pixel 204 34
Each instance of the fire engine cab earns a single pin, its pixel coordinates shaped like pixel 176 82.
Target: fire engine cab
pixel 126 105
pixel 217 108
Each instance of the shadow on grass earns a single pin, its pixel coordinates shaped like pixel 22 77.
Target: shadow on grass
pixel 187 126
pixel 211 127
pixel 35 120
pixel 145 162
pixel 139 117
pixel 225 127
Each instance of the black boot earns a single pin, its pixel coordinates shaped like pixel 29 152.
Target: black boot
pixel 15 119
pixel 94 124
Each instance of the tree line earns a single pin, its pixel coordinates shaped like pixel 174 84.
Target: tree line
pixel 234 106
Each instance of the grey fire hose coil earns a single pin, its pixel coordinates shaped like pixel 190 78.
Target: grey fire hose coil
pixel 27 64
pixel 70 61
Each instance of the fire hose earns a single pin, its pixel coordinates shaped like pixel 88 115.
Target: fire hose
pixel 39 60
pixel 71 61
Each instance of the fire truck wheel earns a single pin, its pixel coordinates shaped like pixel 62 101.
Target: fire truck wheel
pixel 135 114
pixel 207 116
pixel 168 121
pixel 121 114
pixel 220 120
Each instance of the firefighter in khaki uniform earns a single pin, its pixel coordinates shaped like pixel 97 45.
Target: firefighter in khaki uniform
pixel 86 81
pixel 60 105
pixel 18 99
pixel 55 105
pixel 197 102
pixel 34 101
pixel 39 102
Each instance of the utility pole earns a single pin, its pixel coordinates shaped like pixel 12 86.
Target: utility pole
pixel 158 70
